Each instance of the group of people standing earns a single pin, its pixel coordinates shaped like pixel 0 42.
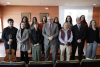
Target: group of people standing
pixel 48 34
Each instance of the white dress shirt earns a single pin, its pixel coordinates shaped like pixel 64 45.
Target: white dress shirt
pixel 78 25
pixel 66 37
pixel 49 25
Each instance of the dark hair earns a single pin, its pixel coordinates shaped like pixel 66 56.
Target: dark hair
pixel 91 23
pixel 84 21
pixel 36 24
pixel 33 21
pixel 45 20
pixel 26 19
pixel 70 20
pixel 10 20
pixel 21 23
pixel 55 19
pixel 27 24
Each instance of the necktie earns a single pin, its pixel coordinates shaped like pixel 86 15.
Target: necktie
pixel 79 27
pixel 50 27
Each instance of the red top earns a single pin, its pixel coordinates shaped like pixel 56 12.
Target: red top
pixel 85 24
pixel 40 26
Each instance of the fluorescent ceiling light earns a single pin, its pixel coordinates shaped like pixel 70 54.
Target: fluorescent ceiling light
pixel 8 2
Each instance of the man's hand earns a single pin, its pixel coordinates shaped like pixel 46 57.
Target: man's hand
pixel 51 37
pixel 10 40
pixel 65 43
pixel 79 40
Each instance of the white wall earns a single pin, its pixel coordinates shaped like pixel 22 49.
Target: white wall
pixel 62 8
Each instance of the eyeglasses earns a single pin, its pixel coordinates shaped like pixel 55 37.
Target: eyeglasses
pixel 77 20
pixel 50 19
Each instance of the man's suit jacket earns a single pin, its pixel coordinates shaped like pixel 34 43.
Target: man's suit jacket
pixel 23 40
pixel 46 33
pixel 79 34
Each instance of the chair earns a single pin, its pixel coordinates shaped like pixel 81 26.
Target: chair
pixel 68 63
pixel 12 64
pixel 90 63
pixel 40 64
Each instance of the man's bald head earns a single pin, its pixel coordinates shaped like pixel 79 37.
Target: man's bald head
pixel 66 25
pixel 50 19
pixel 78 20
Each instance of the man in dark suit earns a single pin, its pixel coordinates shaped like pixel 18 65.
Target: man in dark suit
pixel 10 30
pixel 79 33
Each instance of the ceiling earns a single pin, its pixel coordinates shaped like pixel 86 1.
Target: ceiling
pixel 50 2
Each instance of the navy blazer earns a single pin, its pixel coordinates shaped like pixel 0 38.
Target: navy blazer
pixel 33 36
pixel 91 36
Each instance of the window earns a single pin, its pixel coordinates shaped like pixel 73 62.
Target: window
pixel 0 29
pixel 75 13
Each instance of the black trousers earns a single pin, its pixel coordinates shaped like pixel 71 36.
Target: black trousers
pixel 24 58
pixel 57 46
pixel 80 49
pixel 43 46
